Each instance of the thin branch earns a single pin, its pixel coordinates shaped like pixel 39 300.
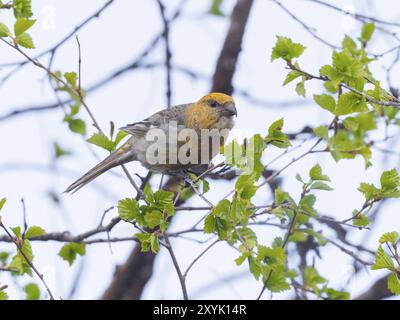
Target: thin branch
pixel 168 54
pixel 28 261
pixel 64 39
pixel 176 265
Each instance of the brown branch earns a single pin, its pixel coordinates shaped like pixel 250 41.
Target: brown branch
pixel 168 54
pixel 226 64
pixel 377 291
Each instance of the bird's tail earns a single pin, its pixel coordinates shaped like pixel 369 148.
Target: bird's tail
pixel 115 159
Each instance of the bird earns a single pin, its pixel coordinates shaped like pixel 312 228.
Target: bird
pixel 186 139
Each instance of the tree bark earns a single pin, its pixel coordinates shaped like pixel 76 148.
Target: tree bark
pixel 377 291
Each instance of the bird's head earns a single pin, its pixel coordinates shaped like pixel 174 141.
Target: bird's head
pixel 214 110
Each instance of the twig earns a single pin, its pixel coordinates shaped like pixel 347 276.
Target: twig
pixel 176 265
pixel 168 54
pixel 28 261
pixel 198 257
pixel 285 242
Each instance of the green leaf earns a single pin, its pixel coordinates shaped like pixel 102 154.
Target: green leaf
pixel 241 258
pixel 71 78
pixel 120 135
pixel 350 102
pixel 22 25
pixel 233 152
pixel 319 185
pixel 326 101
pixel 394 283
pixel 312 278
pixel 351 123
pixel 144 239
pixel 101 140
pixel 349 43
pixel 300 89
pixel 215 8
pixel 238 211
pixel 128 209
pixel 25 40
pixel 254 267
pixel 280 196
pixel 292 75
pixel 286 49
pixel 34 231
pixel 77 126
pixel 275 135
pixel 245 186
pixel 2 203
pixel 307 204
pixel 346 67
pixel 316 174
pixel 390 237
pixel 17 264
pixel 337 295
pixel 209 224
pixel 4 31
pixel 22 8
pixel 32 291
pixel 154 243
pixel 321 132
pixel 367 32
pixel 69 251
pixel 59 151
pixel 3 295
pixel 390 180
pixel 277 282
pixel 153 218
pixel 369 190
pixel 4 255
pixel 206 186
pixel 17 232
pixel 383 260
pixel 164 200
pixel 361 221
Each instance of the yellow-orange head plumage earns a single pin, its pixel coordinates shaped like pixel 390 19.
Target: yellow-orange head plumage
pixel 214 110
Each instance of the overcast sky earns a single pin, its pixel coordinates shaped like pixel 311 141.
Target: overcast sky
pixel 113 41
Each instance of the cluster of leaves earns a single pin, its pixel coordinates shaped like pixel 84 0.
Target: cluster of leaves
pixel 247 156
pixel 354 114
pixel 75 124
pixel 152 216
pixel 18 264
pixel 110 144
pixel 390 261
pixel 230 219
pixel 19 37
pixel 22 12
pixel 390 183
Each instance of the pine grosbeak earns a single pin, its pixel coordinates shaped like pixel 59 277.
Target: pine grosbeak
pixel 184 135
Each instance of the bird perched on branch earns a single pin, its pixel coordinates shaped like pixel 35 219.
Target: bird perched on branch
pixel 183 137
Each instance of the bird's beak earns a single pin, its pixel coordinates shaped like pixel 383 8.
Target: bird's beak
pixel 230 109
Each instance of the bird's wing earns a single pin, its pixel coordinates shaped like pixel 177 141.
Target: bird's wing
pixel 140 129
pixel 157 120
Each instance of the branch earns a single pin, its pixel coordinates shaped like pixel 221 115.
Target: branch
pixel 28 261
pixel 377 291
pixel 226 64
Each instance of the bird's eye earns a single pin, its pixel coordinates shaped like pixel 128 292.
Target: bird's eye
pixel 213 104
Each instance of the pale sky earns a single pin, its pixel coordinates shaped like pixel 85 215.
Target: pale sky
pixel 113 41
